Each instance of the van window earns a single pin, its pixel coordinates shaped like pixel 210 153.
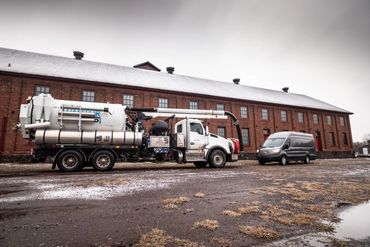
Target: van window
pixel 302 142
pixel 273 142
pixel 179 128
pixel 196 127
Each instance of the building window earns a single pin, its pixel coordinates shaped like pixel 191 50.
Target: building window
pixel 341 121
pixel 315 119
pixel 193 105
pixel 266 133
pixel 221 131
pixel 328 117
pixel 162 102
pixel 42 89
pixel 265 114
pixel 245 136
pixel 331 139
pixel 244 112
pixel 344 138
pixel 300 117
pixel 283 116
pixel 220 107
pixel 128 100
pixel 88 96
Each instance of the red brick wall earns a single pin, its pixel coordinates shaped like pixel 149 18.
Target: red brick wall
pixel 15 89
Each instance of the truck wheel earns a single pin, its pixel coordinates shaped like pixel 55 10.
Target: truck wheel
pixel 306 159
pixel 103 160
pixel 200 164
pixel 70 161
pixel 217 159
pixel 283 160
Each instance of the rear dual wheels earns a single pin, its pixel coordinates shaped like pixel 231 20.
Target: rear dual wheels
pixel 70 161
pixel 102 160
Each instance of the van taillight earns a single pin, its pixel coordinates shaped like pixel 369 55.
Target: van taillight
pixel 236 145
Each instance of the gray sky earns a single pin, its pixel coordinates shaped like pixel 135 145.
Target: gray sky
pixel 318 48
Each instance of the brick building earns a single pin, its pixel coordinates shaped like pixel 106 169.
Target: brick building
pixel 260 111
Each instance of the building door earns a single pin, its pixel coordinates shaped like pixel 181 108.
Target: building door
pixel 3 124
pixel 266 133
pixel 318 141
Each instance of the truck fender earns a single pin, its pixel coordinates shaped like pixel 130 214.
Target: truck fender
pixel 100 149
pixel 64 149
pixel 214 148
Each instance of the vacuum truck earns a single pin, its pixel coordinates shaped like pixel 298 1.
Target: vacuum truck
pixel 76 134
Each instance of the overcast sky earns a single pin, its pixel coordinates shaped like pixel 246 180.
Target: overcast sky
pixel 318 48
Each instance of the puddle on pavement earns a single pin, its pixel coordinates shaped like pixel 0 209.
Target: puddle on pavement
pixel 355 222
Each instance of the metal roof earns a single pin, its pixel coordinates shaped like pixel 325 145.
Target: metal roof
pixel 54 66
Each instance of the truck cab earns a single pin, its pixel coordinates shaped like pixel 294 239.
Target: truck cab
pixel 194 143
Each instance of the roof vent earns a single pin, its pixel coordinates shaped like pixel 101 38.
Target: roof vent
pixel 236 81
pixel 170 70
pixel 78 55
pixel 285 89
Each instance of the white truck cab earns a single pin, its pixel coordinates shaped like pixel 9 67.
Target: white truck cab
pixel 195 144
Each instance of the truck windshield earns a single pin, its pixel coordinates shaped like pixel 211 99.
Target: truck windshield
pixel 273 142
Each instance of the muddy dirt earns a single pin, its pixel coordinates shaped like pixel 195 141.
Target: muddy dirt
pixel 244 204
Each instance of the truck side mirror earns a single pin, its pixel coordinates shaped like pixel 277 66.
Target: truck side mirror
pixel 207 131
pixel 286 146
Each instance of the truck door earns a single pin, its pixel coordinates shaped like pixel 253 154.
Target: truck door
pixel 197 138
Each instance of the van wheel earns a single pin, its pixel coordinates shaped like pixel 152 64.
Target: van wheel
pixel 307 160
pixel 261 162
pixel 103 160
pixel 200 164
pixel 70 161
pixel 217 159
pixel 283 160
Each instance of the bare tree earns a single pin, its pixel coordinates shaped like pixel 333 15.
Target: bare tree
pixel 366 137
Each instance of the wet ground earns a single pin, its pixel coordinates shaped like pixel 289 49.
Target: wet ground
pixel 244 204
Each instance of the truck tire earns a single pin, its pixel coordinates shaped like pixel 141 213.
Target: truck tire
pixel 283 160
pixel 306 159
pixel 70 161
pixel 200 164
pixel 261 162
pixel 103 160
pixel 217 159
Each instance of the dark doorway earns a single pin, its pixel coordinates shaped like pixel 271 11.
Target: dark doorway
pixel 318 141
pixel 3 124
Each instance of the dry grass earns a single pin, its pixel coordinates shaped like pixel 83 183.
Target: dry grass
pixel 231 213
pixel 200 195
pixel 206 224
pixel 173 203
pixel 159 238
pixel 259 232
pixel 249 209
pixel 220 242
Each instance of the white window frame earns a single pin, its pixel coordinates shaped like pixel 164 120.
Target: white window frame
pixel 128 100
pixel 265 114
pixel 300 116
pixel 283 117
pixel 245 136
pixel 315 118
pixel 221 129
pixel 193 105
pixel 329 119
pixel 39 89
pixel 88 96
pixel 243 112
pixel 163 102
pixel 220 107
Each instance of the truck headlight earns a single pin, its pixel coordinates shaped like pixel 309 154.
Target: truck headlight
pixel 275 150
pixel 257 151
